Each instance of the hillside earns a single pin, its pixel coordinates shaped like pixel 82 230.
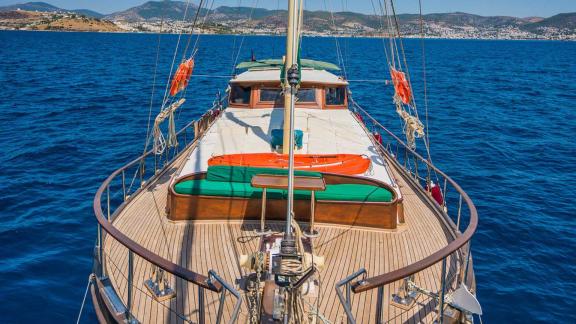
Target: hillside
pixel 562 21
pixel 155 10
pixel 46 7
pixel 54 20
pixel 246 20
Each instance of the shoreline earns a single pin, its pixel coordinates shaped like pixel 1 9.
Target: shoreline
pixel 305 35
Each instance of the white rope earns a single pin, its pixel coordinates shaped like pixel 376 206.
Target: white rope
pixel 90 278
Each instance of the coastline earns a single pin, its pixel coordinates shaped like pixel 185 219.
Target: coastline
pixel 305 35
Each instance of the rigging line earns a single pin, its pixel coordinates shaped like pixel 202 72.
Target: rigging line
pixel 84 299
pixel 386 16
pixel 154 77
pixel 184 54
pixel 174 58
pixel 194 51
pixel 254 5
pixel 203 24
pixel 403 55
pixel 236 36
pixel 381 23
pixel 338 52
pixel 426 135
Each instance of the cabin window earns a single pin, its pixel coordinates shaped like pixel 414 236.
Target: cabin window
pixel 240 95
pixel 271 95
pixel 335 96
pixel 306 95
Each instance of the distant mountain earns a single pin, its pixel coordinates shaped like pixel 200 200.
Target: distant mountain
pixel 46 7
pixel 563 21
pixel 156 10
pixel 88 13
pixel 31 6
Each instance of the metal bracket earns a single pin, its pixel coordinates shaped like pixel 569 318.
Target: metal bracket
pixel 158 286
pixel 407 294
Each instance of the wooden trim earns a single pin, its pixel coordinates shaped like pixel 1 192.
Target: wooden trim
pixel 353 213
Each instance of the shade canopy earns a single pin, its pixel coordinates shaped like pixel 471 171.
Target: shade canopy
pixel 270 63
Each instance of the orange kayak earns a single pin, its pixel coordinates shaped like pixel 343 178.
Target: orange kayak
pixel 349 164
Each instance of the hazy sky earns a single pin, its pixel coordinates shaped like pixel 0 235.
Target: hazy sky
pixel 518 8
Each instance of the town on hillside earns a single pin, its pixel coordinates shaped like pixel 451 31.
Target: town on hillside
pixel 152 17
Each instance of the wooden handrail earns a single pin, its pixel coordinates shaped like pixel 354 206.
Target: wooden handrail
pixel 461 240
pixel 175 269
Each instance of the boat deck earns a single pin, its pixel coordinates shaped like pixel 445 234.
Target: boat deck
pixel 241 130
pixel 217 246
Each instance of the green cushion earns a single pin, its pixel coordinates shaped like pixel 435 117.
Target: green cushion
pixel 355 192
pixel 226 173
pixel 223 189
pixel 347 192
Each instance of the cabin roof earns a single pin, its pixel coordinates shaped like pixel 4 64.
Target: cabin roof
pixel 273 75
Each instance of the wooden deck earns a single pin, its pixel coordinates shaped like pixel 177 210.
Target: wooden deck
pixel 217 246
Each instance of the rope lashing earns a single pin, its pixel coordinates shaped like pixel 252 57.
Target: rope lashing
pixel 160 142
pixel 413 127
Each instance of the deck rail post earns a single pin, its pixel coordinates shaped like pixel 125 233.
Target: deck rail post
pixel 444 192
pixel 346 301
pixel 108 201
pixel 442 292
pixel 129 287
pixel 141 170
pixel 124 184
pixel 459 212
pixel 101 250
pixel 379 305
pixel 201 306
pixel 221 307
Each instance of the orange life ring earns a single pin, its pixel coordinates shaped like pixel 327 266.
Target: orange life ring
pixel 401 86
pixel 182 76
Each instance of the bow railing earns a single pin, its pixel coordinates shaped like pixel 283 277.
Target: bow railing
pixel 113 195
pixel 444 196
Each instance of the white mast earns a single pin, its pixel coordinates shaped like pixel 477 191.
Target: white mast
pixel 291 80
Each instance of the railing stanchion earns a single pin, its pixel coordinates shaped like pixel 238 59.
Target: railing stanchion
pixel 416 168
pixel 101 250
pixel 129 288
pixel 221 306
pixel 123 184
pixel 459 212
pixel 348 297
pixel 444 193
pixel 442 292
pixel 201 306
pixel 379 305
pixel 467 261
pixel 108 201
pixel 141 170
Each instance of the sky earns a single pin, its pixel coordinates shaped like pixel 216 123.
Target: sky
pixel 516 8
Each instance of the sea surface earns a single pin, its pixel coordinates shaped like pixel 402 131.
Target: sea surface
pixel 502 122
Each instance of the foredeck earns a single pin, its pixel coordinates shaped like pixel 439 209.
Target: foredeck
pixel 217 246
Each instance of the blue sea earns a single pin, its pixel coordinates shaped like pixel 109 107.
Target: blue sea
pixel 502 122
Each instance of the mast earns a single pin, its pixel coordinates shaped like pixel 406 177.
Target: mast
pixel 291 82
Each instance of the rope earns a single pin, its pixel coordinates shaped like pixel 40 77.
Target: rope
pixel 90 278
pixel 413 127
pixel 254 5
